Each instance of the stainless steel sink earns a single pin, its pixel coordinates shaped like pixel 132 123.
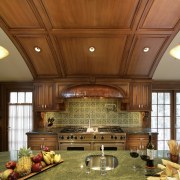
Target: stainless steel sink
pixel 94 162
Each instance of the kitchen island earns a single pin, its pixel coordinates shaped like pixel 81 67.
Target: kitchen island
pixel 73 167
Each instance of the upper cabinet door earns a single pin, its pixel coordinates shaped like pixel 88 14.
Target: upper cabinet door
pixel 140 96
pixel 43 96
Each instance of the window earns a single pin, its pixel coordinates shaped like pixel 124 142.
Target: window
pixel 20 119
pixel 161 117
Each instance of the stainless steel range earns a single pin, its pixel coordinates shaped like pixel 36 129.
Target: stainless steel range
pixel 81 138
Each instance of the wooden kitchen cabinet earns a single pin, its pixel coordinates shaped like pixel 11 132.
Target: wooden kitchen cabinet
pixel 36 141
pixel 140 96
pixel 43 96
pixel 133 140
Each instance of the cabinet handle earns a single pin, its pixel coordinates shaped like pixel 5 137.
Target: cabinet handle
pixel 42 106
pixel 45 106
pixel 139 106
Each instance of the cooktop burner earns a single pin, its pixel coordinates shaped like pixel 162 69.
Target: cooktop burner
pixel 110 129
pixel 113 129
pixel 73 130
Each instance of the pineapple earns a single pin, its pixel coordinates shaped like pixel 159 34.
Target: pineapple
pixel 24 163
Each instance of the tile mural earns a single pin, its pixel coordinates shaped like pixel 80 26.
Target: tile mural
pixel 100 112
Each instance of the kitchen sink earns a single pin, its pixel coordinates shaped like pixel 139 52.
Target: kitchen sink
pixel 94 160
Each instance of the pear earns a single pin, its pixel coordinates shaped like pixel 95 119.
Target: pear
pixel 6 174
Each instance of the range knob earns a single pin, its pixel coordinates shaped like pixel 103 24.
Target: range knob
pixel 115 137
pixel 67 137
pixel 112 137
pixel 71 136
pixel 62 137
pixel 102 137
pixel 81 137
pixel 75 137
pixel 94 136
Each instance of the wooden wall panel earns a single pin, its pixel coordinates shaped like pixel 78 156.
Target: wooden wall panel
pixel 105 60
pixel 18 14
pixel 140 63
pixel 44 61
pixel 163 14
pixel 91 14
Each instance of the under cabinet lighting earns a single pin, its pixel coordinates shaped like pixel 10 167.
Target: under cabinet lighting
pixel 175 52
pixel 146 49
pixel 37 49
pixel 3 52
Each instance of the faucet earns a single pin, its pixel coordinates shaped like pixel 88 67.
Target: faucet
pixel 102 149
pixel 89 123
pixel 103 162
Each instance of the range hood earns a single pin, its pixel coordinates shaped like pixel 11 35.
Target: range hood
pixel 93 90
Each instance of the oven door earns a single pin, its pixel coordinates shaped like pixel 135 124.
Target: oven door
pixel 72 146
pixel 112 146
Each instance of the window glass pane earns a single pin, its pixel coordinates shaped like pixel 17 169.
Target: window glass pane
pixel 13 97
pixel 160 110
pixel 178 122
pixel 177 110
pixel 167 98
pixel 167 110
pixel 177 98
pixel 154 122
pixel 167 122
pixel 154 110
pixel 160 98
pixel 167 134
pixel 21 97
pixel 160 145
pixel 178 134
pixel 29 97
pixel 154 98
pixel 161 122
pixel 161 134
pixel 166 146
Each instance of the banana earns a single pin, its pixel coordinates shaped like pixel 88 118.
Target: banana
pixel 57 158
pixel 46 158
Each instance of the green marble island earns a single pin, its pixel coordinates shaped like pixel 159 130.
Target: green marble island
pixel 73 167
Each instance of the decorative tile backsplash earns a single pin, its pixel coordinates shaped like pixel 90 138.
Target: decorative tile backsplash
pixel 100 112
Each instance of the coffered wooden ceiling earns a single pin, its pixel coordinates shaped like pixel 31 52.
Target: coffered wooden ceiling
pixel 65 29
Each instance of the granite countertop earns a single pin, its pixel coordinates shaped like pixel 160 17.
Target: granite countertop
pixel 73 167
pixel 138 130
pixel 126 130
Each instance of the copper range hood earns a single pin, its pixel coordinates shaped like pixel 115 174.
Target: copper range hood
pixel 93 90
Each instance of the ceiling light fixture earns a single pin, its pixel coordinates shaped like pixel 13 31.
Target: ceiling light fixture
pixel 175 52
pixel 3 52
pixel 37 49
pixel 146 49
pixel 91 49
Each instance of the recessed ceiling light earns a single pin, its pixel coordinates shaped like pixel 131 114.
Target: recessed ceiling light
pixel 91 49
pixel 37 49
pixel 3 52
pixel 175 52
pixel 146 49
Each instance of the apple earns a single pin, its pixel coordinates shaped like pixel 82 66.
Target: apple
pixel 37 158
pixel 13 176
pixel 10 164
pixel 36 167
pixel 46 149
